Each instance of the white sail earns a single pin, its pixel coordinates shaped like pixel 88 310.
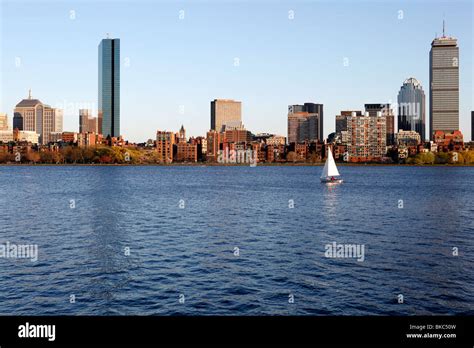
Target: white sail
pixel 330 168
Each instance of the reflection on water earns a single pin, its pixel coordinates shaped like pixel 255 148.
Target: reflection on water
pixel 330 202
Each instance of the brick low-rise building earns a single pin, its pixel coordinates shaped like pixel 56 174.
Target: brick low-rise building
pixel 186 152
pixel 449 141
pixel 164 146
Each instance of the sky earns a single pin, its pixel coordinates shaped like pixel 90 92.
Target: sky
pixel 177 56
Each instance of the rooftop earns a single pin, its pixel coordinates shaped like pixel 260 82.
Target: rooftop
pixel 25 103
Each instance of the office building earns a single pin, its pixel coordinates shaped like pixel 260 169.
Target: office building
pixel 109 88
pixel 411 107
pixel 313 108
pixel 87 123
pixel 444 85
pixel 305 123
pixel 237 136
pixel 225 113
pixel 34 116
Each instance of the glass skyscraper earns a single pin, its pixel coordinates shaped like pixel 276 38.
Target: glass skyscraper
pixel 411 107
pixel 109 87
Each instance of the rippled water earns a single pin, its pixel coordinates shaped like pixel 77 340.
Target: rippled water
pixel 191 251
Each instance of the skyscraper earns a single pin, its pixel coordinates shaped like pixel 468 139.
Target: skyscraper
pixel 411 107
pixel 87 123
pixel 444 85
pixel 109 87
pixel 313 108
pixel 225 113
pixel 32 115
pixel 17 121
pixel 305 123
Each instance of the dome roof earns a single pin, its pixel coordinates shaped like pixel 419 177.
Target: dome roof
pixel 413 81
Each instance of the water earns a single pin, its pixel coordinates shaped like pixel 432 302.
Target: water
pixel 190 251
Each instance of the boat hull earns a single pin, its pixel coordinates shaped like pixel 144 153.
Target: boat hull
pixel 331 181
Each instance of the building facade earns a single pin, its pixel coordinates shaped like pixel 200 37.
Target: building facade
pixel 305 123
pixel 411 107
pixel 446 142
pixel 406 138
pixel 34 116
pixel 341 120
pixel 367 138
pixel 69 137
pixel 186 152
pixel 444 85
pixel 213 141
pixel 276 140
pixel 385 111
pixel 164 146
pixel 109 87
pixel 3 122
pixel 313 108
pixel 225 113
pixel 87 123
pixel 30 137
pixel 6 136
pixel 88 139
pixel 237 136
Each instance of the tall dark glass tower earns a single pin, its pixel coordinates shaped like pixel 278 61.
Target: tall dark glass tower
pixel 109 87
pixel 411 107
pixel 318 109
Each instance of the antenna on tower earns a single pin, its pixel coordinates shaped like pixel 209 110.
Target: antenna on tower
pixel 108 35
pixel 443 28
pixel 29 93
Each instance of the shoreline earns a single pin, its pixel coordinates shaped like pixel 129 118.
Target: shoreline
pixel 227 165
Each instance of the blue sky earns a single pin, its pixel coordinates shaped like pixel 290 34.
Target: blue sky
pixel 172 68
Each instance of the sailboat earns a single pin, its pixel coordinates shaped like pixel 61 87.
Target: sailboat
pixel 330 173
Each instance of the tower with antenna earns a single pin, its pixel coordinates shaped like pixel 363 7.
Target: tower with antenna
pixel 444 84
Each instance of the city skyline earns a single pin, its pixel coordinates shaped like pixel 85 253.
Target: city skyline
pixel 195 114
